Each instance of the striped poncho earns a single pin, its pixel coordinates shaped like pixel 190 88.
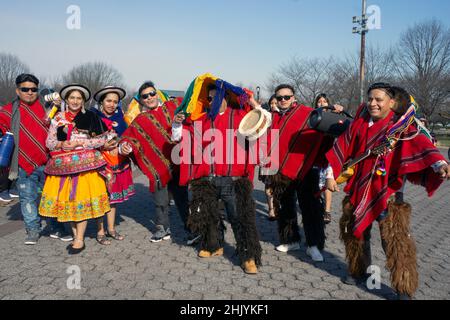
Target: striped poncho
pixel 369 191
pixel 33 132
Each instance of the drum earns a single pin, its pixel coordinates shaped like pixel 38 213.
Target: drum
pixel 255 124
pixel 331 123
pixel 6 150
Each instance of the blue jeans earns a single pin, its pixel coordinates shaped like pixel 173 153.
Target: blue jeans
pixel 29 188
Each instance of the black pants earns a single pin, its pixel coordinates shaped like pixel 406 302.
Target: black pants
pixel 312 208
pixel 161 199
pixel 4 181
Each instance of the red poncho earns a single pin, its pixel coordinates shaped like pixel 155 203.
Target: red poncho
pixel 210 157
pixel 150 136
pixel 370 192
pixel 300 147
pixel 33 133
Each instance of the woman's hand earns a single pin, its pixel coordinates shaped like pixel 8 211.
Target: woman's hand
pixel 338 108
pixel 110 145
pixel 70 145
pixel 125 149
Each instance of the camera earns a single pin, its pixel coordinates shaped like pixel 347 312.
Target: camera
pixel 52 97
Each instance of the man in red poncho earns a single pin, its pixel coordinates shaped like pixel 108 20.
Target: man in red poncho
pixel 299 159
pixel 148 138
pixel 26 118
pixel 408 153
pixel 218 167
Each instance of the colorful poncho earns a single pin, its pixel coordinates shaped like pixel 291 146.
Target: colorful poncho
pixel 195 100
pixel 369 191
pixel 150 136
pixel 33 132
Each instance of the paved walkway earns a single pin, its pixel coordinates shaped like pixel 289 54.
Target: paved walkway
pixel 138 269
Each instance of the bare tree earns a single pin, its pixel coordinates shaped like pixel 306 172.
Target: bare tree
pixel 94 75
pixel 309 77
pixel 423 65
pixel 10 68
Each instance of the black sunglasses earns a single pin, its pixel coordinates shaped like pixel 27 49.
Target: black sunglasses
pixel 25 90
pixel 281 98
pixel 151 94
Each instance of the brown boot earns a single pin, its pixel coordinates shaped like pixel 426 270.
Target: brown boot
pixel 204 254
pixel 217 253
pixel 249 267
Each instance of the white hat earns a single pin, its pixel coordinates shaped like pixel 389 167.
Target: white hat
pixel 110 89
pixel 64 91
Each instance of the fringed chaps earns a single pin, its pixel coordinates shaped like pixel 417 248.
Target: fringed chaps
pixel 288 229
pixel 248 246
pixel 354 247
pixel 400 248
pixel 204 216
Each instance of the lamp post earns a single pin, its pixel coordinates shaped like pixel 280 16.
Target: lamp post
pixel 362 29
pixel 258 93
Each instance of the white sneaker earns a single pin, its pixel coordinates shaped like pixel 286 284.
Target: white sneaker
pixel 288 247
pixel 315 254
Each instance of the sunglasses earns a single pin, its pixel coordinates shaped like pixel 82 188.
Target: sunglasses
pixel 210 99
pixel 25 90
pixel 151 94
pixel 281 98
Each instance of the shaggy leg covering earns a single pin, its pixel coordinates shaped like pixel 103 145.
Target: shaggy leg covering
pixel 400 248
pixel 354 248
pixel 248 246
pixel 204 217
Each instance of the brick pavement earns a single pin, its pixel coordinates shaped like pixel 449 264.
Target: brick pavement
pixel 138 269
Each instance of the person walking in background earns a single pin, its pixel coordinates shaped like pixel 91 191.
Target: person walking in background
pixel 323 101
pixel 270 106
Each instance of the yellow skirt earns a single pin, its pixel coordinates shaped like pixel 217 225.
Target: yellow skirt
pixel 69 200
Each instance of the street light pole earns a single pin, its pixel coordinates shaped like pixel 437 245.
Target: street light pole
pixel 362 69
pixel 362 21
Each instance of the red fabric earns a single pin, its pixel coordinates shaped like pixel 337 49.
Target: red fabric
pixel 299 145
pixel 194 166
pixel 33 133
pixel 368 191
pixel 152 146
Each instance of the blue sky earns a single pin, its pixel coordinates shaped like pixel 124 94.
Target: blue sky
pixel 172 41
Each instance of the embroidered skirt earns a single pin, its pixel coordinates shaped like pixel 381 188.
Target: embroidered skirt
pixel 121 187
pixel 74 198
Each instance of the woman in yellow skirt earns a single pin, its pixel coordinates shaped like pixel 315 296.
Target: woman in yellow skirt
pixel 74 191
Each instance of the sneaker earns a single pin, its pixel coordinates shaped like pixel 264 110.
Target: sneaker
pixel 315 254
pixel 5 197
pixel 13 194
pixel 60 236
pixel 32 238
pixel 288 247
pixel 193 239
pixel 160 235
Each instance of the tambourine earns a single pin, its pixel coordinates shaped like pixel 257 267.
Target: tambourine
pixel 255 124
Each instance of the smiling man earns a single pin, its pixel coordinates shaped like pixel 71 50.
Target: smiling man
pixel 25 117
pixel 406 153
